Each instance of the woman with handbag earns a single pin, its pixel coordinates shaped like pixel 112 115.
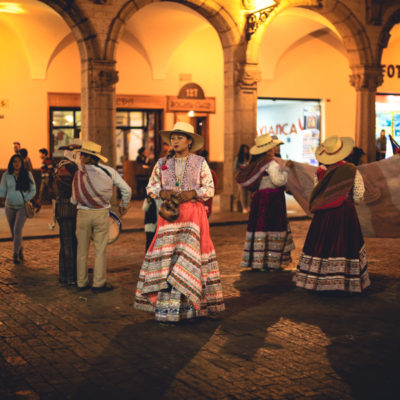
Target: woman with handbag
pixel 18 187
pixel 179 278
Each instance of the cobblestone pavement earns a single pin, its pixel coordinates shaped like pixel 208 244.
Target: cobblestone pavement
pixel 273 342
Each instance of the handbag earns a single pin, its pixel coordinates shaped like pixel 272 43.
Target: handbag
pixel 30 211
pixel 169 209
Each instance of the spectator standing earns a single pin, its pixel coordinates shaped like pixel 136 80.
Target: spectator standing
pixel 381 146
pixel 92 189
pixel 17 147
pixel 17 186
pixel 46 174
pixel 65 213
pixel 26 159
pixel 241 160
pixel 142 158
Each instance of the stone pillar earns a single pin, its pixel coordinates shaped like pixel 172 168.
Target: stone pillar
pixel 366 80
pixel 98 105
pixel 240 120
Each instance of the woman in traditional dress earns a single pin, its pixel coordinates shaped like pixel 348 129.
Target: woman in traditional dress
pixel 268 237
pixel 334 256
pixel 179 278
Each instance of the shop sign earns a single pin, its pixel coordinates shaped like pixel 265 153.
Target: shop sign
pixel 191 91
pixel 391 70
pixel 206 105
pixel 281 129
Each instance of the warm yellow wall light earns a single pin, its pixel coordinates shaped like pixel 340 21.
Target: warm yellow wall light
pixel 11 8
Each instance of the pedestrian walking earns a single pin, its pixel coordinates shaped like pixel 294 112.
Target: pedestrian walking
pixel 334 256
pixel 46 174
pixel 65 213
pixel 179 278
pixel 26 160
pixel 17 186
pixel 92 189
pixel 243 196
pixel 268 238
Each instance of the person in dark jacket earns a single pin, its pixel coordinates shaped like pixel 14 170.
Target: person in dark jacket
pixel 65 213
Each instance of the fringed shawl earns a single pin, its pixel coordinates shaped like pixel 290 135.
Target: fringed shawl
pixel 250 175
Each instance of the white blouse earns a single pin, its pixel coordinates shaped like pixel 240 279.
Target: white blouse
pixel 205 180
pixel 275 178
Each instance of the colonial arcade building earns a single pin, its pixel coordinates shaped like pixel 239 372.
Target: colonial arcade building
pixel 117 71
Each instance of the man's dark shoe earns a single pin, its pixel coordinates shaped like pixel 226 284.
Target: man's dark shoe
pixel 82 288
pixel 105 288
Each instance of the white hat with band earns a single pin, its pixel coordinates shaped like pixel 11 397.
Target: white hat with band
pixel 334 149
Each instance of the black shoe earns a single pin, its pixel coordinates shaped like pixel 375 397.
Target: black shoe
pixel 82 288
pixel 15 259
pixel 21 254
pixel 105 288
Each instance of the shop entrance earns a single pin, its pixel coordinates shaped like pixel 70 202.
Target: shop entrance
pixel 387 108
pixel 137 129
pixel 297 122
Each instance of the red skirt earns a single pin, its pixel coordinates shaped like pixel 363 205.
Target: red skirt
pixel 180 278
pixel 334 256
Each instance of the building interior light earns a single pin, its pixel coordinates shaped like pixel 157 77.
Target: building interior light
pixel 191 113
pixel 69 118
pixel 11 8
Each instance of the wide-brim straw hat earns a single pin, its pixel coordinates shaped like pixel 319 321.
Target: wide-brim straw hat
pixel 92 149
pixel 334 149
pixel 186 129
pixel 264 143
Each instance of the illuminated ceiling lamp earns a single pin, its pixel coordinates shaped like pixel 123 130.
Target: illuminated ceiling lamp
pixel 11 8
pixel 256 18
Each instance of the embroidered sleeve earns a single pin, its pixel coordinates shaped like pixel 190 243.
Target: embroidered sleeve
pixel 358 188
pixel 154 186
pixel 278 176
pixel 206 190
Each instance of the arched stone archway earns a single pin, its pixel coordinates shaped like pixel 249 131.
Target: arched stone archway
pixel 231 40
pixel 355 38
pixel 366 74
pixel 384 36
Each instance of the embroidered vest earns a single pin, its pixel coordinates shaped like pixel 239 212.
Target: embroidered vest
pixel 190 179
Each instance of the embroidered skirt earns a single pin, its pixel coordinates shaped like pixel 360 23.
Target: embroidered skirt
pixel 268 238
pixel 179 278
pixel 334 256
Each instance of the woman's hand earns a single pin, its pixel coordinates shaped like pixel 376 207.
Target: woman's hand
pixel 186 195
pixel 166 194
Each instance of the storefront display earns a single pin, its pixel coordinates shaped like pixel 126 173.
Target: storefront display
pixel 388 119
pixel 296 122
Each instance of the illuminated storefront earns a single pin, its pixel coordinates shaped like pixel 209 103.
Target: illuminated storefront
pixel 296 122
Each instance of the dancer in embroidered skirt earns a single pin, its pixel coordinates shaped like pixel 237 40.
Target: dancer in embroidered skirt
pixel 268 237
pixel 334 256
pixel 179 278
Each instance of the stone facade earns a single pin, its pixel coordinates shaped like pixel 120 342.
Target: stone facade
pixel 364 26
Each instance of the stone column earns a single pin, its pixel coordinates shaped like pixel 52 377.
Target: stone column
pixel 240 120
pixel 366 80
pixel 98 105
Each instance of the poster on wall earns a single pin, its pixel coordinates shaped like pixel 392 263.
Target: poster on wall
pixel 297 123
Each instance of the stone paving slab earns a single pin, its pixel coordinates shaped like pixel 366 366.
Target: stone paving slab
pixel 274 341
